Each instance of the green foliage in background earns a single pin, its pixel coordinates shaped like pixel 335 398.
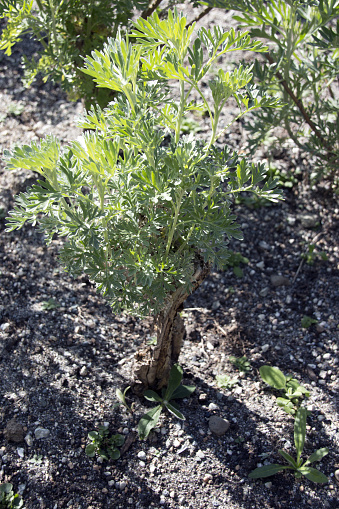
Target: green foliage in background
pixel 141 205
pixel 67 32
pixel 301 66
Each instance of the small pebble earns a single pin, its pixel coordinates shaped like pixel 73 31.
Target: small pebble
pixel 142 455
pixel 21 452
pixel 336 474
pixel 84 372
pixel 217 425
pixel 268 485
pixel 29 440
pixel 200 454
pixel 41 433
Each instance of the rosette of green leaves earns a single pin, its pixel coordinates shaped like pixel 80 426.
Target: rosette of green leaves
pixel 293 391
pixel 104 445
pixel 173 391
pixel 138 202
pixel 299 467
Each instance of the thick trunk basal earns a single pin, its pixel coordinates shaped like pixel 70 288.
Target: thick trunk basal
pixel 154 364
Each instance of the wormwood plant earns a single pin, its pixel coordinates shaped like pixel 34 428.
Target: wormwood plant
pixel 299 467
pixel 146 211
pixel 173 391
pixel 302 67
pixel 293 392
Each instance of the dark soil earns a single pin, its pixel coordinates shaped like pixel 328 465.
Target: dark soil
pixel 60 367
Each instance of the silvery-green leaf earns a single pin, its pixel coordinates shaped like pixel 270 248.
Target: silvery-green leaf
pixel 300 431
pixel 148 422
pixel 313 474
pixel 317 455
pixel 267 471
pixel 273 376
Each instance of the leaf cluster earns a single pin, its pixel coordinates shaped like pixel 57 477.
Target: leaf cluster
pixel 225 381
pixel 293 392
pixel 103 444
pixel 9 499
pixel 299 467
pixel 241 363
pixel 173 391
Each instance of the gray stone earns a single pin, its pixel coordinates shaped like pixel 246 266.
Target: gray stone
pixel 216 305
pixel 309 220
pixel 265 348
pixel 264 245
pixel 14 431
pixel 217 425
pixel 336 474
pixel 264 292
pixel 41 433
pixel 277 280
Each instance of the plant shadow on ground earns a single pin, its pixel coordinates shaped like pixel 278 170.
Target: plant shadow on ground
pixel 42 357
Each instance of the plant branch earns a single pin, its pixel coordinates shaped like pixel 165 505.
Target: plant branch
pixel 150 9
pixel 200 16
pixel 299 104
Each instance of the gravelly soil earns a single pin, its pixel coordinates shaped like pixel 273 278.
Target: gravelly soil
pixel 60 367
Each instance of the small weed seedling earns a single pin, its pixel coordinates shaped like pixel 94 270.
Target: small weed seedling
pixel 152 341
pixel 293 391
pixel 241 363
pixel 307 321
pixel 9 499
pixel 104 445
pixel 312 254
pixel 15 108
pixel 48 305
pixel 174 391
pixel 122 398
pixel 235 260
pixel 225 381
pixel 297 465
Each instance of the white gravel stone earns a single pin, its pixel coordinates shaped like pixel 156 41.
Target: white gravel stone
pixel 83 371
pixel 142 455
